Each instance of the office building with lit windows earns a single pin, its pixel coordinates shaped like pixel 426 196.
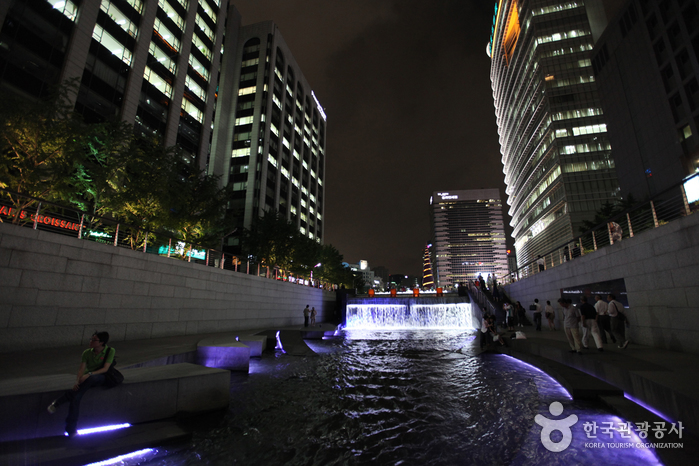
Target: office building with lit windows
pixel 187 72
pixel 269 137
pixel 647 69
pixel 468 236
pixel 150 62
pixel 555 151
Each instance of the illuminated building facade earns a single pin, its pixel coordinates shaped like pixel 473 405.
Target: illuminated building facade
pixel 269 138
pixel 556 155
pixel 427 278
pixel 647 70
pixel 151 62
pixel 468 235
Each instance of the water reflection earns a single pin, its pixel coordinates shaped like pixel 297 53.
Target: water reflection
pixel 409 398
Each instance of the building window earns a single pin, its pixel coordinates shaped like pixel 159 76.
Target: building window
pixel 172 14
pixel 111 44
pixel 198 68
pixel 208 32
pixel 163 58
pixel 158 82
pixel 201 46
pixel 191 109
pixel 195 88
pixel 68 8
pixel 166 35
pixel 118 17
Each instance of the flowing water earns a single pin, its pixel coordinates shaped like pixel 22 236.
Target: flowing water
pixel 397 398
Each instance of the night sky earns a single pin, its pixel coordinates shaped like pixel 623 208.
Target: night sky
pixel 406 88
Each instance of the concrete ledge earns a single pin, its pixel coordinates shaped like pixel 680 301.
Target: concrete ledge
pixel 225 353
pixel 256 343
pixel 147 394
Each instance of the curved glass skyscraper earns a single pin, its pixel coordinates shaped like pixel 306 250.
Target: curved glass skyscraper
pixel 556 155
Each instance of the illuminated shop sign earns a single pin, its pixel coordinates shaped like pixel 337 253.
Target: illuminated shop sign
pixel 43 219
pixel 182 249
pixel 447 196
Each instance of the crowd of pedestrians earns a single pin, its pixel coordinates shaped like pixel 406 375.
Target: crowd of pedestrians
pixel 606 317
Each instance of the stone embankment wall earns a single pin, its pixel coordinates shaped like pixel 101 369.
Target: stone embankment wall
pixel 57 290
pixel 661 270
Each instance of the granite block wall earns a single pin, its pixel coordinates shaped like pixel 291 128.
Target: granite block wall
pixel 661 270
pixel 57 290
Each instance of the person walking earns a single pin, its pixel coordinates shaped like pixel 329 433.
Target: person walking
pixel 603 321
pixel 537 315
pixel 571 320
pixel 589 323
pixel 95 362
pixel 617 320
pixel 313 316
pixel 510 316
pixel 521 314
pixel 550 315
pixel 306 314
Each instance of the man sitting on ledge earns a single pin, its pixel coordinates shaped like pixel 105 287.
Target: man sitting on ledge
pixel 95 363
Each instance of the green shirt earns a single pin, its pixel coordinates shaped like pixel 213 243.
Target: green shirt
pixel 94 361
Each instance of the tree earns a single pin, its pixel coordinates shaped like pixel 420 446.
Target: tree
pixel 41 144
pixel 270 240
pixel 607 211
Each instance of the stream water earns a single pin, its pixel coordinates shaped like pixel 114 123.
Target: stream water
pixel 420 397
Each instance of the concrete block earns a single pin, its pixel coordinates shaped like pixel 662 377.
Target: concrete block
pixel 5 311
pixel 168 329
pixel 115 286
pixel 192 328
pixel 90 284
pixel 19 296
pixel 135 302
pixel 51 281
pixel 30 244
pixel 256 343
pixel 686 276
pixel 139 331
pixel 90 269
pixel 224 353
pixel 94 316
pixel 35 261
pixel 147 394
pixel 167 291
pixel 65 299
pixel 98 255
pixel 32 316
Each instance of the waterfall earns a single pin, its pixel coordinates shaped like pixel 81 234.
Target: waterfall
pixel 439 315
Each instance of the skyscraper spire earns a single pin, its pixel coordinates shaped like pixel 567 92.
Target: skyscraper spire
pixel 427 280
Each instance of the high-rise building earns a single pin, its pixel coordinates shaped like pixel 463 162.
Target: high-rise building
pixel 553 137
pixel 468 235
pixel 151 62
pixel 246 114
pixel 647 69
pixel 269 137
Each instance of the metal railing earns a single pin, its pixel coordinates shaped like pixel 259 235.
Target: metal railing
pixel 62 220
pixel 670 205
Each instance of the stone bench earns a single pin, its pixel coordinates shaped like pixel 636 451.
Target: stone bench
pixel 224 353
pixel 256 343
pixel 147 394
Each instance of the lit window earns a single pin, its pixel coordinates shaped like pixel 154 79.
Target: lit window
pixel 313 174
pixel 286 143
pixel 118 17
pixel 272 160
pixel 167 35
pixel 296 155
pixel 251 62
pixel 274 129
pixel 278 73
pixel 295 182
pixel 285 172
pixel 200 69
pixel 201 46
pixel 160 84
pixel 561 133
pixel 305 165
pixel 192 110
pixel 303 203
pixel 171 13
pixel 304 190
pixel 111 44
pixel 68 8
pixel 276 101
pixel 208 10
pixel 195 88
pixel 162 58
pixel 244 152
pixel 208 32
pixel 247 90
pixel 244 121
